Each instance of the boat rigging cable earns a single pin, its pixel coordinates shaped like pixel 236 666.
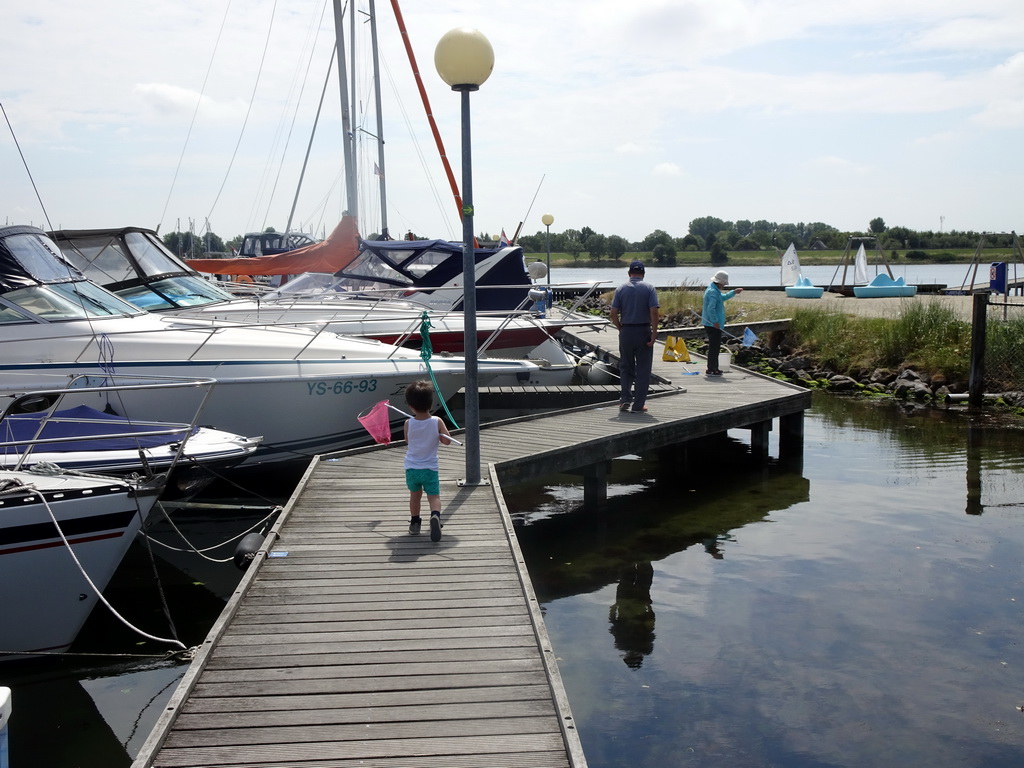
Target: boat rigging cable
pixel 426 106
pixel 25 163
pixel 199 101
pixel 314 24
pixel 248 111
pixel 309 144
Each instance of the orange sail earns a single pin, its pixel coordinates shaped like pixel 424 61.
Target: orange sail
pixel 336 252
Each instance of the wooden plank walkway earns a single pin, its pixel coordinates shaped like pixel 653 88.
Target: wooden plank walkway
pixel 349 642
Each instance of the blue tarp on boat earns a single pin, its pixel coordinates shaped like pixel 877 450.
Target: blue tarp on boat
pixel 86 423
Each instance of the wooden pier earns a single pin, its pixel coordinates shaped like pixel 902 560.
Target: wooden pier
pixel 350 642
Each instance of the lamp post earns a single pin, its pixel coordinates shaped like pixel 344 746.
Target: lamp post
pixel 464 59
pixel 547 220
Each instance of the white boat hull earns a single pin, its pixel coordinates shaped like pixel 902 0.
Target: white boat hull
pixel 298 391
pixel 44 595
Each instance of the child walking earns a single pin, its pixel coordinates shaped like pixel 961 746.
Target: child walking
pixel 423 433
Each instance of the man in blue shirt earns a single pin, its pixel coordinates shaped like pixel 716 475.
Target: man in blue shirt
pixel 714 317
pixel 635 313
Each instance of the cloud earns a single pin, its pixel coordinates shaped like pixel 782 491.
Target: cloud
pixel 667 169
pixel 941 137
pixel 175 101
pixel 838 165
pixel 1001 115
pixel 631 148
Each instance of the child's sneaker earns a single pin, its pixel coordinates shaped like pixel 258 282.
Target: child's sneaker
pixel 435 526
pixel 414 526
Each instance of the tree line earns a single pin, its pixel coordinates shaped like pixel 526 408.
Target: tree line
pixel 719 237
pixel 706 233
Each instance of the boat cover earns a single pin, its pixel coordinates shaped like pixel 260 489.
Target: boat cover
pixel 28 257
pixel 84 422
pixel 333 254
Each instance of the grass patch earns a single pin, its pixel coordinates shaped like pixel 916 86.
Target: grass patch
pixel 925 336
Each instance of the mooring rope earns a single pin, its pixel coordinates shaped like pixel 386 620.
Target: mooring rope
pixel 426 352
pixel 201 552
pixel 32 490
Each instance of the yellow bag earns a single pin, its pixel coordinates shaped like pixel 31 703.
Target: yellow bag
pixel 682 353
pixel 675 351
pixel 668 355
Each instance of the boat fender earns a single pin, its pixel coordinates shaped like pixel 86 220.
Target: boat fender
pixel 594 370
pixel 247 548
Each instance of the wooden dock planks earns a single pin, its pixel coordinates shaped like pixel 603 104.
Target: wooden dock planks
pixel 353 643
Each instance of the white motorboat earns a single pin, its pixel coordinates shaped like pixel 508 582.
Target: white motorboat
pixel 39 427
pixel 57 529
pixel 379 296
pixel 300 389
pixel 63 532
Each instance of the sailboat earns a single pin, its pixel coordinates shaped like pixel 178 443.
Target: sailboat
pixel 381 288
pixel 860 266
pixel 797 286
pixel 882 286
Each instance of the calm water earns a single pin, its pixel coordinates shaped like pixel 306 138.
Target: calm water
pixel 951 275
pixel 865 610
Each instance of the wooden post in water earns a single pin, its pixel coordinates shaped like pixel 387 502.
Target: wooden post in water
pixel 759 441
pixel 791 439
pixel 979 326
pixel 595 485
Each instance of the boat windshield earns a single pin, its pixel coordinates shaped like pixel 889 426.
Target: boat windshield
pixel 368 270
pixel 152 256
pixel 65 301
pixel 173 293
pixel 100 258
pixel 308 284
pixel 108 260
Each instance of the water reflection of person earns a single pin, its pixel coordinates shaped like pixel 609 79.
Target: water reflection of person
pixel 632 615
pixel 712 545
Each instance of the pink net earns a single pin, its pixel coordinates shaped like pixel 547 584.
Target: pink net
pixel 377 423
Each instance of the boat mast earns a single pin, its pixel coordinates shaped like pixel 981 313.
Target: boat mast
pixel 381 176
pixel 346 115
pixel 426 105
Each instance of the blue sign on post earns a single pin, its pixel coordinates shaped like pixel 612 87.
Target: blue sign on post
pixel 997 277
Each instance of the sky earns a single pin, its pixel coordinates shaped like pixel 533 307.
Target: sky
pixel 625 117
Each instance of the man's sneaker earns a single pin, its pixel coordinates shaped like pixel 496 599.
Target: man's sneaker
pixel 414 526
pixel 713 373
pixel 435 527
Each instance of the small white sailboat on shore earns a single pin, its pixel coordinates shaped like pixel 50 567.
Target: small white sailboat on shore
pixel 884 285
pixel 860 267
pixel 797 286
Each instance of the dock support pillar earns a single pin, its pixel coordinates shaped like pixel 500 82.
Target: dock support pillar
pixel 673 463
pixel 595 485
pixel 791 439
pixel 759 441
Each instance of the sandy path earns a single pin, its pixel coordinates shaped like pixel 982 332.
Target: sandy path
pixel 854 306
